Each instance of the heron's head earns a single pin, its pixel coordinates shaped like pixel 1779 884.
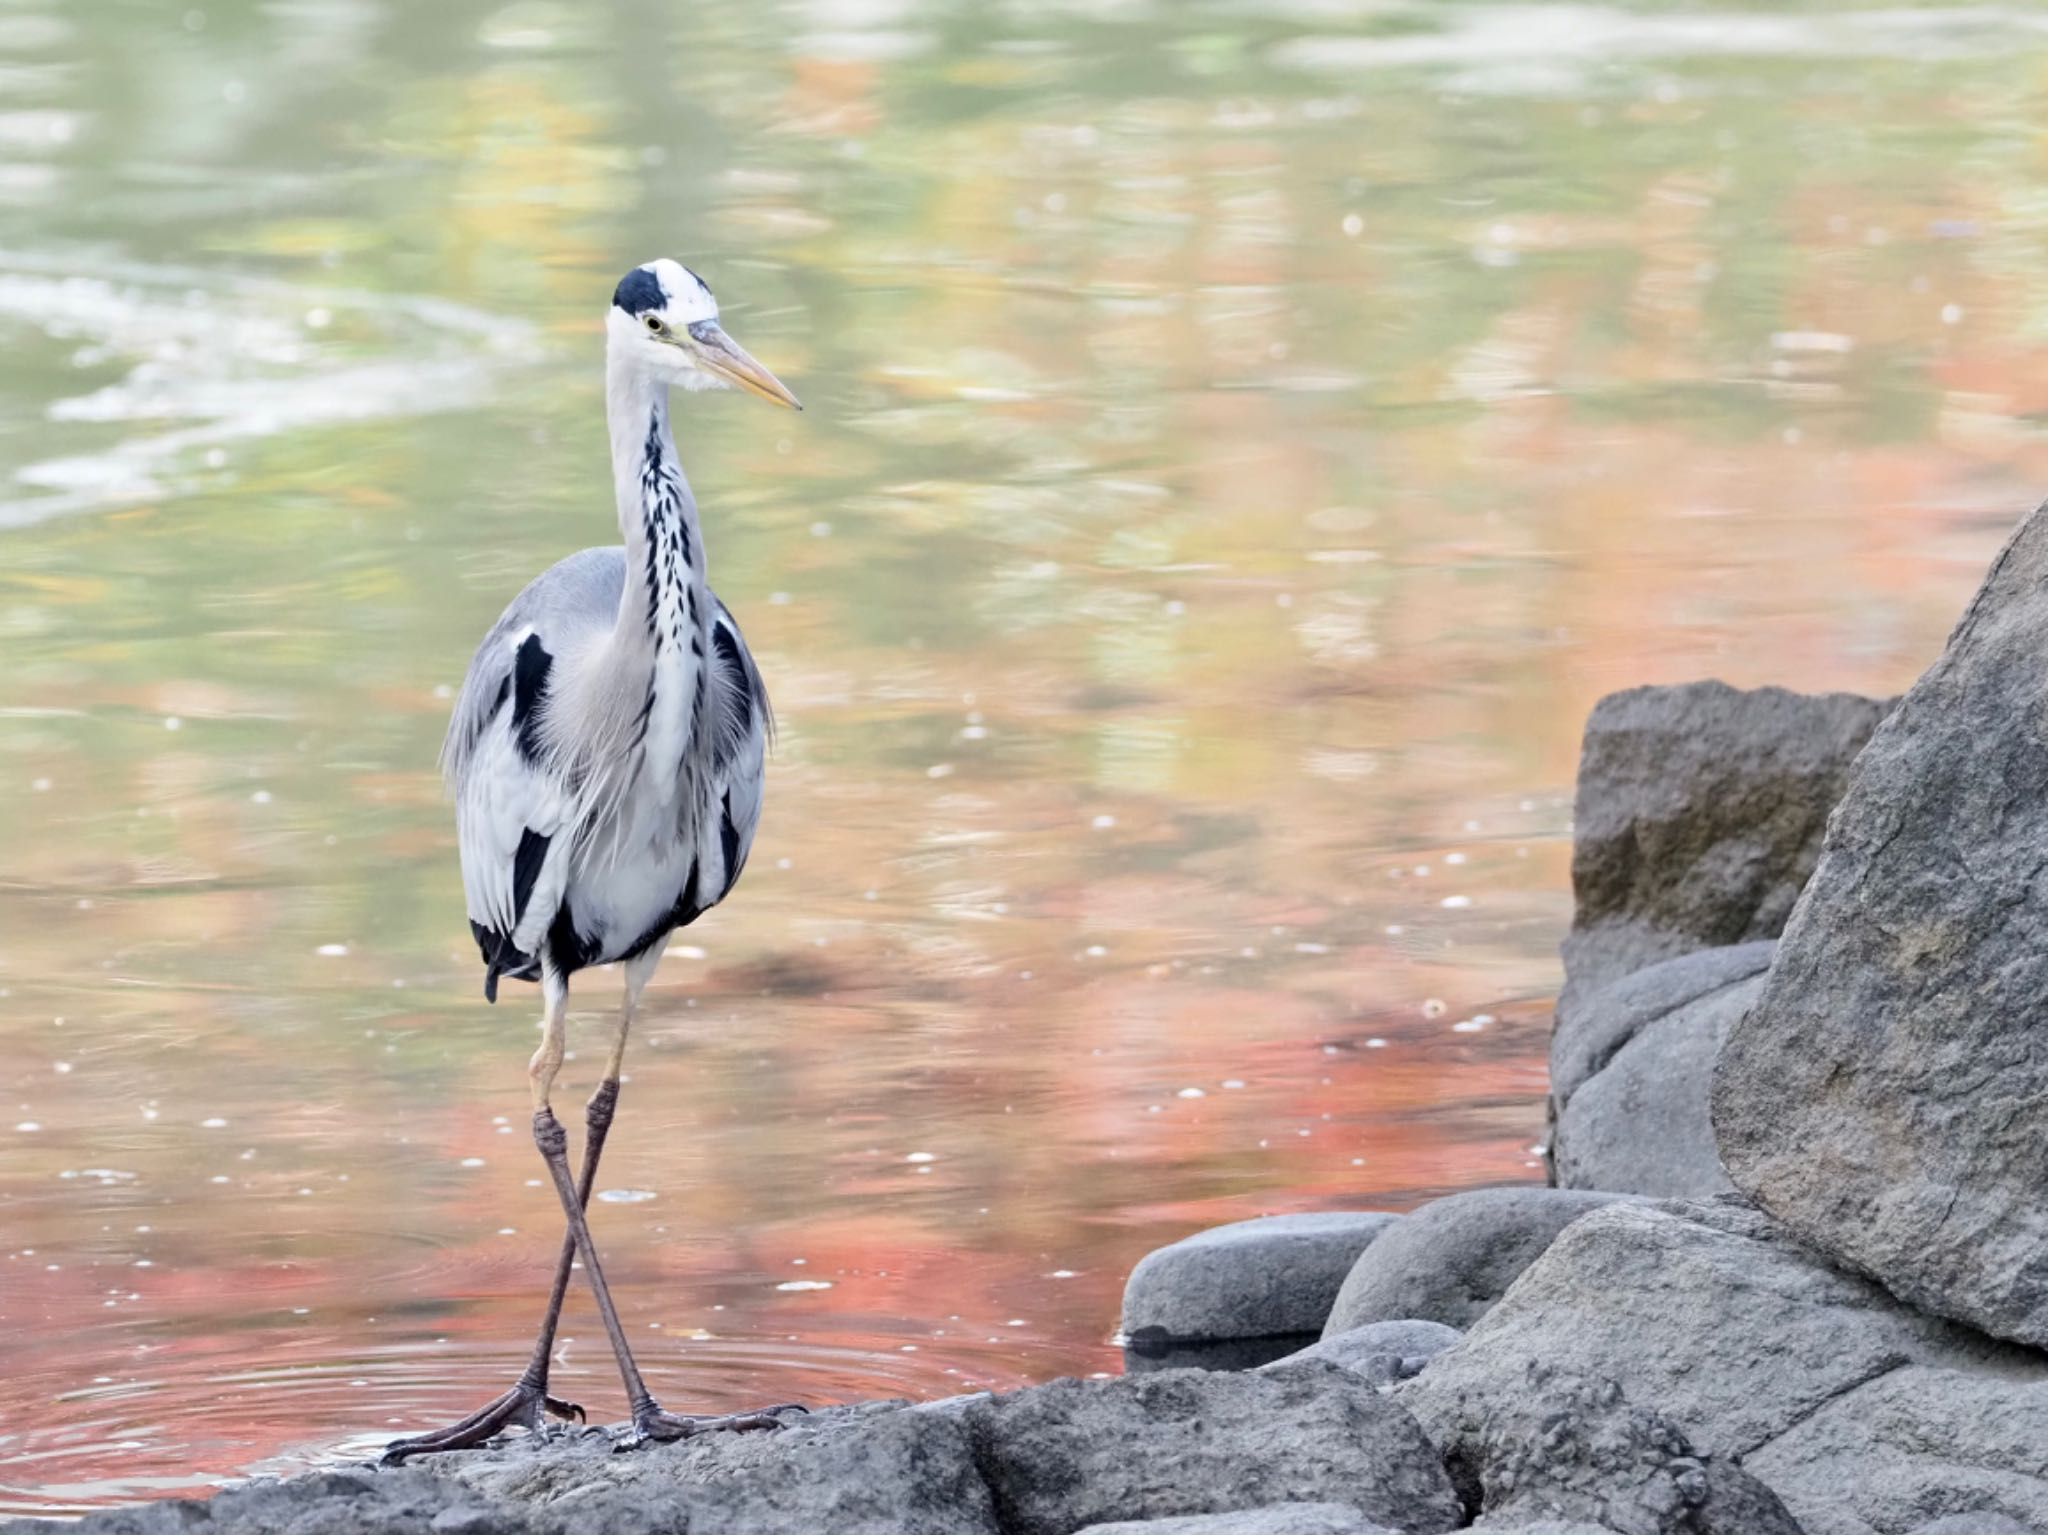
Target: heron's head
pixel 664 319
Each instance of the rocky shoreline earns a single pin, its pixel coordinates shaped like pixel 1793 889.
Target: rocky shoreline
pixel 1791 1273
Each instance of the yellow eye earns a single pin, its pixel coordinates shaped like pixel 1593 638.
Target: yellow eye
pixel 655 326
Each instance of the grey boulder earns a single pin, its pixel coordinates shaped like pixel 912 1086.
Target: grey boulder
pixel 1572 1447
pixel 1974 1524
pixel 1382 1352
pixel 1251 1279
pixel 1914 1444
pixel 1642 1126
pixel 1276 1519
pixel 1698 818
pixel 1708 1313
pixel 1063 1456
pixel 1887 1098
pixel 1594 1026
pixel 1451 1259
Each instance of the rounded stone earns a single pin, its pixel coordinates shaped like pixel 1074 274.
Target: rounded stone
pixel 1251 1279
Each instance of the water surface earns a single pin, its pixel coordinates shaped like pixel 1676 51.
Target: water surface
pixel 1243 440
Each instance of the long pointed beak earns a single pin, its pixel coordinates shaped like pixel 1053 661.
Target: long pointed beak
pixel 719 354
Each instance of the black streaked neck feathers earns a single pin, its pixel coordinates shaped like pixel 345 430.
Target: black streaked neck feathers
pixel 663 603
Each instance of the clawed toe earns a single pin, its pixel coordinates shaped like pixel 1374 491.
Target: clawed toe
pixel 523 1406
pixel 568 1412
pixel 653 1424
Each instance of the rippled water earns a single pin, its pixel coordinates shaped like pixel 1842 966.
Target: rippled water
pixel 1243 441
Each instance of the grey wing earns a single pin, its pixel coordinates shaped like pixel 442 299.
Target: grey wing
pixel 514 806
pixel 742 726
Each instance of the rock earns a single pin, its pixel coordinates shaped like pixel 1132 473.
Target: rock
pixel 1571 1447
pixel 1546 1527
pixel 1912 1445
pixel 1275 1519
pixel 1592 1029
pixel 1070 1454
pixel 1382 1352
pixel 1251 1279
pixel 1974 1524
pixel 342 1502
pixel 1642 1126
pixel 1707 1313
pixel 1698 818
pixel 1452 1258
pixel 1887 1098
pixel 877 1469
pixel 1148 1353
pixel 1056 1458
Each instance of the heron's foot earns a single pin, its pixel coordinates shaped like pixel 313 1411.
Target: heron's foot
pixel 652 1423
pixel 525 1406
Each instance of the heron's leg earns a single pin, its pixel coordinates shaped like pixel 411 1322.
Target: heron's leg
pixel 649 1420
pixel 526 1402
pixel 597 1124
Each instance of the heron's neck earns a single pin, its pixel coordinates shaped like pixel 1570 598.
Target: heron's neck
pixel 662 608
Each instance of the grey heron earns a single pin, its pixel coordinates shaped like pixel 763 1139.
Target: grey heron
pixel 605 758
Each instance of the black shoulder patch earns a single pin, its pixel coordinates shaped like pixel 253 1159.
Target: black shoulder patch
pixel 529 680
pixel 736 669
pixel 533 852
pixel 639 291
pixel 729 844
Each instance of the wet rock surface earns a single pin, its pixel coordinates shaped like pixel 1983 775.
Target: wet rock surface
pixel 1887 1098
pixel 1448 1261
pixel 1698 818
pixel 1251 1279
